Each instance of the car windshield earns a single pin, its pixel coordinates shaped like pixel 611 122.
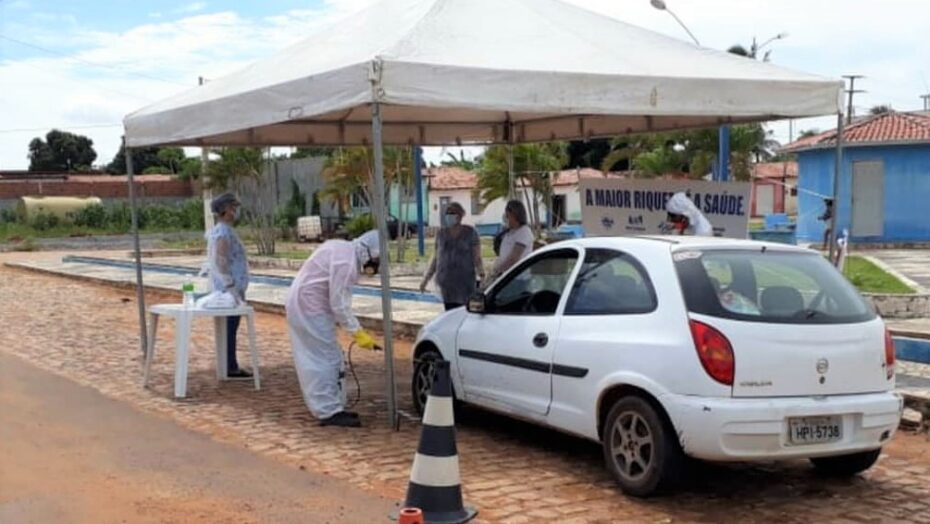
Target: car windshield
pixel 768 286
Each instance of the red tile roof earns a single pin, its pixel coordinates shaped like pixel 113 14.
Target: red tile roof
pixel 775 170
pixel 887 127
pixel 451 178
pixel 571 177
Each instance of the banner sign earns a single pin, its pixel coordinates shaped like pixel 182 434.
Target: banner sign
pixel 614 207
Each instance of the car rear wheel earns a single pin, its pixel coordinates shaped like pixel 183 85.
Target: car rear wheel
pixel 640 448
pixel 846 465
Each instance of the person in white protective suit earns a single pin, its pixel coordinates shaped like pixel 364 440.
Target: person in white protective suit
pixel 682 213
pixel 320 298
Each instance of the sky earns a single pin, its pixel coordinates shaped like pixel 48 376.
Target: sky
pixel 81 65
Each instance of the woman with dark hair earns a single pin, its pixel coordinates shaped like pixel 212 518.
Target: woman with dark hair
pixel 517 242
pixel 457 262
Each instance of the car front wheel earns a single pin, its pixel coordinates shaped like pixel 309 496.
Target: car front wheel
pixel 846 465
pixel 422 382
pixel 640 448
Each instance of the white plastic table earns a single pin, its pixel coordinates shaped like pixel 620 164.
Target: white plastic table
pixel 183 319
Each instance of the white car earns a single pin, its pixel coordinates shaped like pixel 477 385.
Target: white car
pixel 666 347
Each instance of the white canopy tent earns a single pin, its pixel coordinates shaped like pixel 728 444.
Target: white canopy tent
pixel 440 72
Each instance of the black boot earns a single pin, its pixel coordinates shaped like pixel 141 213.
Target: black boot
pixel 342 419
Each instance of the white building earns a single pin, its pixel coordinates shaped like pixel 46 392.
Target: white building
pixel 453 184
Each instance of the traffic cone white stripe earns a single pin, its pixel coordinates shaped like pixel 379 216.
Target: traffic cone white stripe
pixel 438 412
pixel 440 472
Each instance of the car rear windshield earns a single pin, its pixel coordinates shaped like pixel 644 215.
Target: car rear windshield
pixel 768 286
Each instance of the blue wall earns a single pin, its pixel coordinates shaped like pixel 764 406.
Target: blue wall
pixel 907 191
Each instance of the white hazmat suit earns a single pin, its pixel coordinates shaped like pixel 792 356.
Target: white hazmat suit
pixel 680 204
pixel 320 298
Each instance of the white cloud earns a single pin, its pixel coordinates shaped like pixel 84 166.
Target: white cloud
pixel 829 37
pixel 193 7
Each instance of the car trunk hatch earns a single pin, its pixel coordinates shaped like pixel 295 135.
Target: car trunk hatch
pixel 773 360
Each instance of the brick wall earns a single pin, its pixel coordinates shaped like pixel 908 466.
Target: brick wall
pixel 104 187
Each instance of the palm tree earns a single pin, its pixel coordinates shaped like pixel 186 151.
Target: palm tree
pixel 532 165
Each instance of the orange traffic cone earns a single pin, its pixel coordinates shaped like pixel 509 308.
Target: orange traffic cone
pixel 410 516
pixel 435 486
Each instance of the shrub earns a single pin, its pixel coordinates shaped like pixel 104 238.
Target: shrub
pixel 191 214
pixel 8 216
pixel 119 217
pixel 44 221
pixel 360 224
pixel 94 216
pixel 160 217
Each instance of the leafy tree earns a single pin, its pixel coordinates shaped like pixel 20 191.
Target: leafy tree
pixel 808 133
pixel 142 159
pixel 313 151
pixel 880 109
pixel 171 158
pixel 591 153
pixel 190 168
pixel 61 151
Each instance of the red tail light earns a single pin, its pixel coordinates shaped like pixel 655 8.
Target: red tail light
pixel 889 355
pixel 714 351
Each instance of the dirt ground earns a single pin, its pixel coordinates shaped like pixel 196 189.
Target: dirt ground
pixel 71 455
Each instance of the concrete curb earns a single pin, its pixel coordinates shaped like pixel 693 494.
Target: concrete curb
pixel 406 330
pixel 918 289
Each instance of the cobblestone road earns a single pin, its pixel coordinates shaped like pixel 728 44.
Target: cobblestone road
pixel 513 472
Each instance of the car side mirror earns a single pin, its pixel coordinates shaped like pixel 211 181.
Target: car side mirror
pixel 478 303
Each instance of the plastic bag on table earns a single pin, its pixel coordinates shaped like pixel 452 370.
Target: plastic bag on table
pixel 219 300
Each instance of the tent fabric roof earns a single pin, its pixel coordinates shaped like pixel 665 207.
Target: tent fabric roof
pixel 479 71
pixel 890 127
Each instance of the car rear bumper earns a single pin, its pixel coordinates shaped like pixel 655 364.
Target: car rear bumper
pixel 733 429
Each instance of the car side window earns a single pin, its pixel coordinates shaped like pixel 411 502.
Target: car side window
pixel 611 283
pixel 535 288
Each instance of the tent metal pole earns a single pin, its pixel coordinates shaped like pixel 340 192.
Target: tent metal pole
pixel 511 177
pixel 723 154
pixel 385 269
pixel 140 290
pixel 836 183
pixel 418 181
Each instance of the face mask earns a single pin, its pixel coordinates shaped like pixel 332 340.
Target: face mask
pixel 451 220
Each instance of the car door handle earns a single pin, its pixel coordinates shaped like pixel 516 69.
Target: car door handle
pixel 541 340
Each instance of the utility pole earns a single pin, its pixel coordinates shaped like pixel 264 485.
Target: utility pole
pixel 851 92
pixel 205 182
pixel 926 99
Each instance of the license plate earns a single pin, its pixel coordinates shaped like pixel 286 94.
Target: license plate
pixel 815 430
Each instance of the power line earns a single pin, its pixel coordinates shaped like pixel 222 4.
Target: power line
pixel 851 92
pixel 39 129
pixel 87 62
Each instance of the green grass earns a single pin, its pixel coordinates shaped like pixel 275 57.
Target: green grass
pixel 869 278
pixel 15 232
